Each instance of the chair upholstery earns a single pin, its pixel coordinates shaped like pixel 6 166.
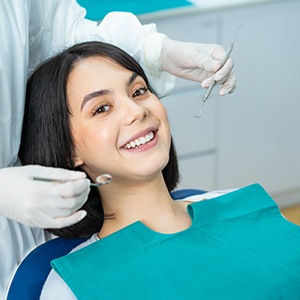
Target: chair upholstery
pixel 33 271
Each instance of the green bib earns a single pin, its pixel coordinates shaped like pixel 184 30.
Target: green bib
pixel 239 246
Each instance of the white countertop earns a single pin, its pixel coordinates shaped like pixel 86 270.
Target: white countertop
pixel 208 4
pixel 202 6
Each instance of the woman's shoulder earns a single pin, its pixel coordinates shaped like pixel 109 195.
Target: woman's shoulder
pixel 91 240
pixel 55 287
pixel 205 196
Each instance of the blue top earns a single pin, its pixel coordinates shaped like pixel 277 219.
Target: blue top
pixel 238 247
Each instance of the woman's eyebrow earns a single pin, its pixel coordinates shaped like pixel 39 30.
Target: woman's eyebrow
pixel 104 92
pixel 93 95
pixel 132 78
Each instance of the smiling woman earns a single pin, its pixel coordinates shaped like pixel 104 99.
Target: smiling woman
pixel 108 115
pixel 98 102
pixel 91 107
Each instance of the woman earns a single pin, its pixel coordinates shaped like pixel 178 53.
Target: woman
pixel 91 108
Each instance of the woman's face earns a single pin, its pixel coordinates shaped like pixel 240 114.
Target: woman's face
pixel 118 125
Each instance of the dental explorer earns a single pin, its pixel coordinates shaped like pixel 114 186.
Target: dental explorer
pixel 213 83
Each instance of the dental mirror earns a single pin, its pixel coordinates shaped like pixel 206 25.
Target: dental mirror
pixel 102 180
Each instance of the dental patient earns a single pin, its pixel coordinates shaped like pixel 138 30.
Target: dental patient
pixel 91 108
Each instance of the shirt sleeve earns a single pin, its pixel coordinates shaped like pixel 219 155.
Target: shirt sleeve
pixel 61 23
pixel 56 288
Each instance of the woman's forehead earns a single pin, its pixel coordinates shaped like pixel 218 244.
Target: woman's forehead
pixel 97 63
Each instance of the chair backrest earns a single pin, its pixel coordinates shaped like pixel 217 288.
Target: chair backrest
pixel 33 271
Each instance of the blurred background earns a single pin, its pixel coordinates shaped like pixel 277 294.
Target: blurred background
pixel 253 135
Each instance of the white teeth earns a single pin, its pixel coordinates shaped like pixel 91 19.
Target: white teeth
pixel 140 141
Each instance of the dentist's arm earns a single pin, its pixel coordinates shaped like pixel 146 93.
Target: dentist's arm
pixel 160 57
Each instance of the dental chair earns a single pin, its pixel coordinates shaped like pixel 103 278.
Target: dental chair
pixel 33 271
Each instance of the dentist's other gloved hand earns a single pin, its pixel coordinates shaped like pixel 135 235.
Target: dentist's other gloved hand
pixel 39 203
pixel 198 62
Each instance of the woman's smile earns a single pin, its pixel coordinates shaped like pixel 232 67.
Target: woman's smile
pixel 140 140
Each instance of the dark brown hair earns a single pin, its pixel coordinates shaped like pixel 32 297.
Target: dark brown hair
pixel 46 135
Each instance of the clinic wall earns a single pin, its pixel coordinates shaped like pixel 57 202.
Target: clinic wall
pixel 253 134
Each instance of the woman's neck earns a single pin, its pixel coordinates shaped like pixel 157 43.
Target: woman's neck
pixel 150 204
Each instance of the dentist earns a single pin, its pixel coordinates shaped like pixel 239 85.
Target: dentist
pixel 31 31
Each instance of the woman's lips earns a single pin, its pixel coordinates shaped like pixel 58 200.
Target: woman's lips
pixel 140 141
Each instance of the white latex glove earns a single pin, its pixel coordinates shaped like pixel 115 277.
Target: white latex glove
pixel 39 203
pixel 198 62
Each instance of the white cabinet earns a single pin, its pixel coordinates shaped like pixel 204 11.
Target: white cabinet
pixel 260 125
pixel 252 135
pixel 195 138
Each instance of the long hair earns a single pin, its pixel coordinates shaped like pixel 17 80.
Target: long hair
pixel 46 136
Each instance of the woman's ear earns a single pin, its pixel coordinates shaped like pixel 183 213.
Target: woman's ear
pixel 78 161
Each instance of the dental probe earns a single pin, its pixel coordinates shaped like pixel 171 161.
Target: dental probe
pixel 213 83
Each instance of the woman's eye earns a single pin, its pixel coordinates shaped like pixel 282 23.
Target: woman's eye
pixel 100 109
pixel 140 92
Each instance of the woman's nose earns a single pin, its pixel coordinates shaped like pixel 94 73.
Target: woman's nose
pixel 133 111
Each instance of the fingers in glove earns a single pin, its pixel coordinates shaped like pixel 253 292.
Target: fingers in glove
pixel 70 196
pixel 70 189
pixel 225 71
pixel 229 85
pixel 219 75
pixel 71 204
pixel 70 220
pixel 63 221
pixel 224 76
pixel 57 173
pixel 206 83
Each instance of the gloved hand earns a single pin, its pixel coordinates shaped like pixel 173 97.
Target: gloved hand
pixel 40 203
pixel 198 62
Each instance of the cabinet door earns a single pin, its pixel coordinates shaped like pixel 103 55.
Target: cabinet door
pixel 260 123
pixel 193 135
pixel 198 172
pixel 195 138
